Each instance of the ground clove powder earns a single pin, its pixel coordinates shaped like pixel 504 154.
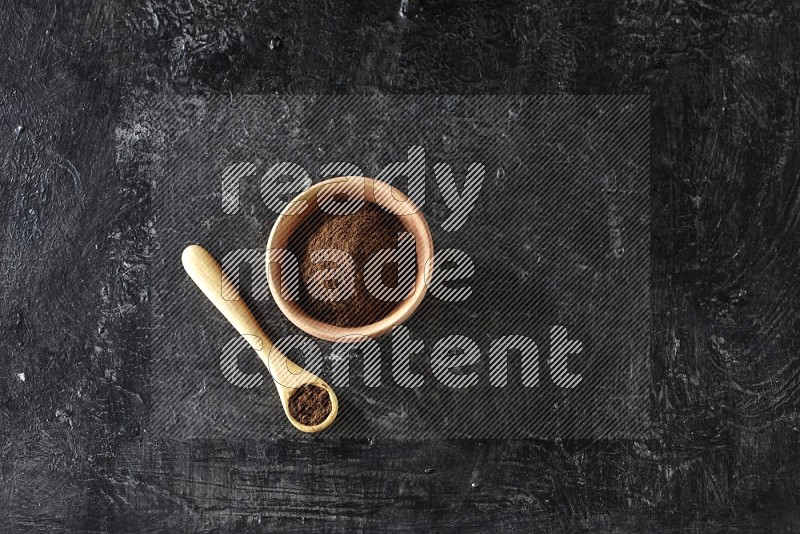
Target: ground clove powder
pixel 360 234
pixel 310 404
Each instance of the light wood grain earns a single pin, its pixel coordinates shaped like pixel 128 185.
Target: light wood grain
pixel 287 376
pixel 371 191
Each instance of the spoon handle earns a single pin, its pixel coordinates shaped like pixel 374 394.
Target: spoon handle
pixel 212 281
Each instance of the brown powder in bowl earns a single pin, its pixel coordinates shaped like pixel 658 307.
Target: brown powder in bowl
pixel 361 235
pixel 310 404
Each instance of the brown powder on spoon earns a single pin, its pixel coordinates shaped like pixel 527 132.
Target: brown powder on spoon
pixel 310 404
pixel 360 235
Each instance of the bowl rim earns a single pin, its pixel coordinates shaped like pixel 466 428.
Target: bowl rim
pixel 377 192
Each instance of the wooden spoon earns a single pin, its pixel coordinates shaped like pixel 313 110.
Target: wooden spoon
pixel 287 375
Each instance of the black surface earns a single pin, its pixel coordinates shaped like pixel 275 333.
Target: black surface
pixel 723 83
pixel 540 238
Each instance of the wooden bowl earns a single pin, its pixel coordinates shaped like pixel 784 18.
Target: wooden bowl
pixel 354 188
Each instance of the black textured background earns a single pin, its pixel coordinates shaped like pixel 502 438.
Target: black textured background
pixel 559 235
pixel 723 83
